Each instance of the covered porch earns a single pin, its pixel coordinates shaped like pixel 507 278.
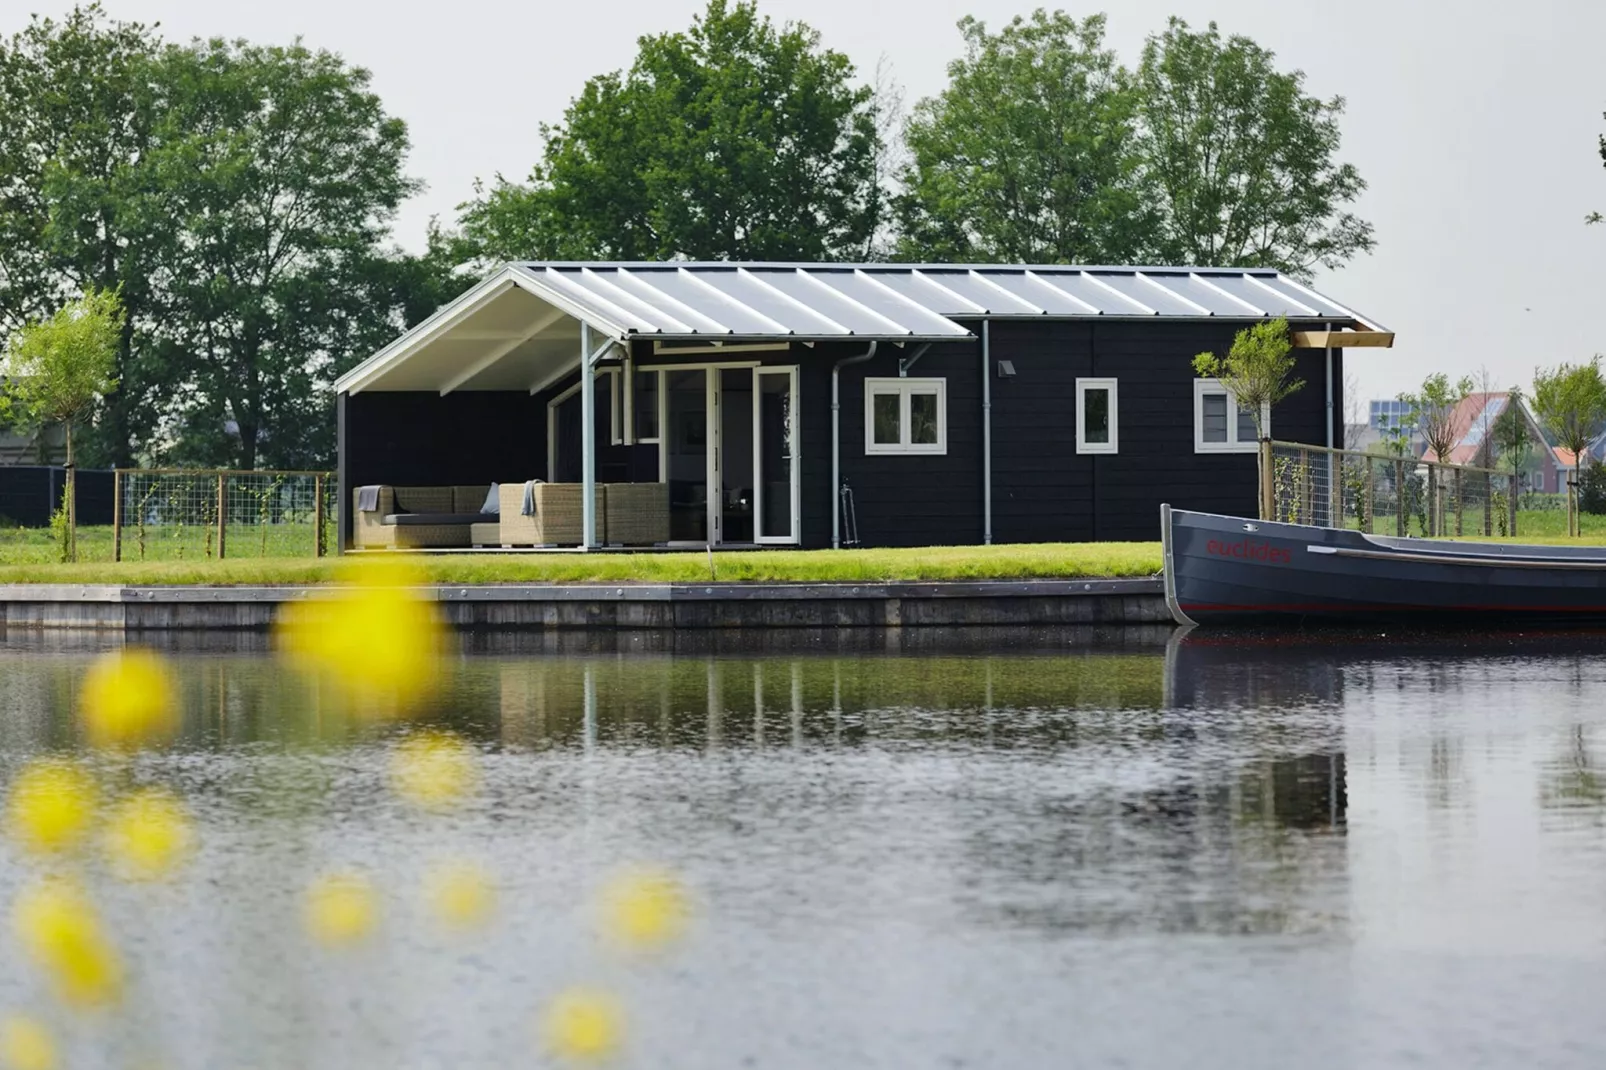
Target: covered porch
pixel 659 408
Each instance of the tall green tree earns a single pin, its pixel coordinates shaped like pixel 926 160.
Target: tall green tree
pixel 736 139
pixel 1030 154
pixel 1569 401
pixel 1240 160
pixel 56 369
pixel 284 171
pixel 78 207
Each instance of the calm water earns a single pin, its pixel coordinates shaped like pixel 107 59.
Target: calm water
pixel 1019 849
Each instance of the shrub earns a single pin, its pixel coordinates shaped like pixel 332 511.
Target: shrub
pixel 1592 488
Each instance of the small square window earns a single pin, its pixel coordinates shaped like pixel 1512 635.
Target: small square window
pixel 905 416
pixel 1220 425
pixel 1097 416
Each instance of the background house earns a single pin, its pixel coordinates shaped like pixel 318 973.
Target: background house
pixel 1544 464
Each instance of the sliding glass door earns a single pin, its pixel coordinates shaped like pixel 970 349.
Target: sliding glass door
pixel 728 445
pixel 688 458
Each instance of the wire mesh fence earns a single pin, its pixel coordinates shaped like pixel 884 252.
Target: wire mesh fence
pixel 190 515
pixel 170 514
pixel 1385 495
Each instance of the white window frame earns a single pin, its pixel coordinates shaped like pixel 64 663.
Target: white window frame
pixel 1203 387
pixel 903 388
pixel 1082 444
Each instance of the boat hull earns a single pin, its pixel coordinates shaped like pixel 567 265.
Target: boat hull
pixel 1232 570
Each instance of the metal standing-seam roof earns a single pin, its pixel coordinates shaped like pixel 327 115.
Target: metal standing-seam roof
pixel 912 301
pixel 521 326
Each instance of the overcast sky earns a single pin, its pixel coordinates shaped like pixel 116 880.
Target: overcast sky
pixel 1475 126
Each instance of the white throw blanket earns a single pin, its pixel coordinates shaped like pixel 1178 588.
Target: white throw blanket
pixel 367 499
pixel 529 497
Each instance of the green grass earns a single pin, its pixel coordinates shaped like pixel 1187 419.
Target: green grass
pixel 171 542
pixel 1045 561
pixel 1541 527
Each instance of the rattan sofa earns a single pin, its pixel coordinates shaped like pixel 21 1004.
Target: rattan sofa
pixel 419 517
pixel 557 520
pixel 628 514
pixel 635 514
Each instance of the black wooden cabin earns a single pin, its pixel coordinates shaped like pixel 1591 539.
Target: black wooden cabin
pixel 956 405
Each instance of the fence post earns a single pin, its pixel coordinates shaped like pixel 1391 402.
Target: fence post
pixel 117 514
pixel 1268 497
pixel 317 516
pixel 1460 514
pixel 1371 495
pixel 1399 498
pixel 222 512
pixel 1512 505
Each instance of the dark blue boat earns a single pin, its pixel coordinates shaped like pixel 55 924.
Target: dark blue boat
pixel 1227 569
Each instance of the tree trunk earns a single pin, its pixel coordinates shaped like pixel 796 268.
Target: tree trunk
pixel 248 445
pixel 117 416
pixel 72 500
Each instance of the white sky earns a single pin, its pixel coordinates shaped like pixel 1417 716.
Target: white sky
pixel 1474 125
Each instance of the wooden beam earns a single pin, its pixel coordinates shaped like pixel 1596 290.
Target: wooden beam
pixel 1343 339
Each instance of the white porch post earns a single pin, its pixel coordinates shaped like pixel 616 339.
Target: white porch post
pixel 588 441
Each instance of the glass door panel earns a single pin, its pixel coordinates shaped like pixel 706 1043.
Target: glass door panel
pixel 776 469
pixel 735 459
pixel 686 451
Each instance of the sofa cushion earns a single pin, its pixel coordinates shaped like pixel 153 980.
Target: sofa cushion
pixel 419 519
pixel 427 500
pixel 469 499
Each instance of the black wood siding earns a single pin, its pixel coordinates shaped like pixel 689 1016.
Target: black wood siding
pixel 915 499
pixel 1042 489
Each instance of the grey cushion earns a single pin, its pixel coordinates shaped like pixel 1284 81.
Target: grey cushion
pixel 418 519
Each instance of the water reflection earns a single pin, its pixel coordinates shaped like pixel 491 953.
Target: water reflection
pixel 1118 835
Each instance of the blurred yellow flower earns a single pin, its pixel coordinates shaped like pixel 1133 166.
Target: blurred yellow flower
pixel 128 700
pixel 433 770
pixel 461 894
pixel 148 835
pixel 645 909
pixel 25 1044
pixel 50 806
pixel 584 1024
pixel 58 927
pixel 342 909
pixel 375 636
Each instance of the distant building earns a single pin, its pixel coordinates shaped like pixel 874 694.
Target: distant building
pixel 1390 416
pixel 1472 426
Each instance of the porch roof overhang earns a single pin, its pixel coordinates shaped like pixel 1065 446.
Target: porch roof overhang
pixel 520 328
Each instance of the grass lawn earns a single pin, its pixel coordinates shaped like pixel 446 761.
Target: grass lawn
pixel 169 542
pixel 1037 561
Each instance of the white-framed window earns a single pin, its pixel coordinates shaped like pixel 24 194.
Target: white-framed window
pixel 1220 425
pixel 906 416
pixel 1097 416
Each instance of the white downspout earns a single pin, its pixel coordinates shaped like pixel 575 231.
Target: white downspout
pixel 836 441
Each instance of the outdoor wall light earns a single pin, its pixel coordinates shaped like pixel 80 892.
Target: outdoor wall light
pixel 1006 369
